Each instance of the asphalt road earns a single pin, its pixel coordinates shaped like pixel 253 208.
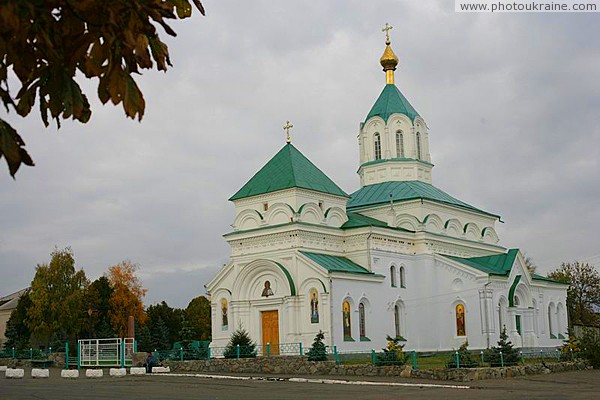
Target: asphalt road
pixel 567 385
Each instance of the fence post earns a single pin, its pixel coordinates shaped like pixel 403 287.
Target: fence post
pixel 557 354
pixel 67 355
pixel 372 357
pixel 50 350
pixel 335 355
pixel 301 350
pixel 13 352
pixel 457 359
pixel 482 358
pixel 501 360
pixel 522 358
pixel 78 355
pixel 122 353
pixel 237 351
pixel 542 355
pixel 31 353
pixel 135 346
pixel 181 353
pixel 413 355
pixel 571 350
pixel 208 353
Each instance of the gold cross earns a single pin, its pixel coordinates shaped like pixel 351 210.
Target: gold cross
pixel 287 128
pixel 387 29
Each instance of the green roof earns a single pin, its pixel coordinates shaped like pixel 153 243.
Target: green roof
pixel 356 220
pixel 391 101
pixel 287 169
pixel 498 264
pixel 372 195
pixel 537 277
pixel 336 264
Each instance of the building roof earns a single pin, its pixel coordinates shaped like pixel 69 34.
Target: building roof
pixel 336 264
pixel 372 195
pixel 10 301
pixel 356 220
pixel 287 169
pixel 498 264
pixel 391 101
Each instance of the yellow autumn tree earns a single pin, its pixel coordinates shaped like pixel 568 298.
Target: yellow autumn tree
pixel 126 298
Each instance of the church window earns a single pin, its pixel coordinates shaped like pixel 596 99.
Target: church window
pixel 314 306
pixel 460 320
pixel 346 321
pixel 224 316
pixel 399 144
pixel 361 321
pixel 397 320
pixel 402 279
pixel 418 145
pixel 393 275
pixel 377 144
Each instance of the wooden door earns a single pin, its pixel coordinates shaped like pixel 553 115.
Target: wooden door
pixel 270 331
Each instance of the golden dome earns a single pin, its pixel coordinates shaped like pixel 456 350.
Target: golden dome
pixel 389 61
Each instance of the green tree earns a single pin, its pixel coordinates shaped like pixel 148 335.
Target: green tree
pixel 160 336
pixel 104 330
pixel 318 351
pixel 510 355
pixel 171 318
pixel 98 306
pixel 589 343
pixel 465 358
pixel 57 298
pixel 186 334
pixel 242 339
pixel 199 315
pixel 583 295
pixel 17 332
pixel 45 44
pixel 144 339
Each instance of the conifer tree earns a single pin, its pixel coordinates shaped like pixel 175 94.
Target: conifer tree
pixel 186 333
pixel 510 355
pixel 160 336
pixel 247 346
pixel 318 351
pixel 144 339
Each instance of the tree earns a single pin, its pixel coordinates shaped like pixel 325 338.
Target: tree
pixel 186 334
pixel 17 332
pixel 57 298
pixel 171 317
pixel 199 315
pixel 160 336
pixel 590 345
pixel 126 298
pixel 45 44
pixel 241 338
pixel 583 295
pixel 529 264
pixel 98 306
pixel 318 351
pixel 144 339
pixel 510 355
pixel 465 359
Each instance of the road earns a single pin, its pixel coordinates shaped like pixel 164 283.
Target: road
pixel 567 385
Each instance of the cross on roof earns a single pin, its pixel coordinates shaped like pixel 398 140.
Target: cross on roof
pixel 287 128
pixel 387 29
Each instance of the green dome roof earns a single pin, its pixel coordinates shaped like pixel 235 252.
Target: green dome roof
pixel 287 169
pixel 391 101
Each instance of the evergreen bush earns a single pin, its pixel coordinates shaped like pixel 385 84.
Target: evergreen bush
pixel 589 344
pixel 247 346
pixel 318 351
pixel 510 355
pixel 465 358
pixel 393 353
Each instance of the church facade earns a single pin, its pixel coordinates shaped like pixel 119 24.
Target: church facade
pixel 397 257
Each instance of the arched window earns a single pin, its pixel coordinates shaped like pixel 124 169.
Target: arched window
pixel 460 320
pixel 397 320
pixel 377 145
pixel 551 325
pixel 361 321
pixel 402 278
pixel 393 275
pixel 418 145
pixel 502 315
pixel 346 321
pixel 399 144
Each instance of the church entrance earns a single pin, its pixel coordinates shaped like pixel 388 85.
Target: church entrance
pixel 270 331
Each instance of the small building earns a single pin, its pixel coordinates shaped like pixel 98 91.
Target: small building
pixel 397 257
pixel 7 305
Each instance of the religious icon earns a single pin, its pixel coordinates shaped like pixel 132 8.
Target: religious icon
pixel 346 319
pixel 314 306
pixel 460 320
pixel 224 309
pixel 267 290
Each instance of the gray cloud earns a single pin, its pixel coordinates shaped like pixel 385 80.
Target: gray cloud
pixel 511 101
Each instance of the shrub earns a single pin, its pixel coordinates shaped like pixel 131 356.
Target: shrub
pixel 247 346
pixel 465 358
pixel 510 355
pixel 590 346
pixel 318 351
pixel 393 353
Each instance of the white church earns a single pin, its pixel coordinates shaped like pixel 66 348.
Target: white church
pixel 397 257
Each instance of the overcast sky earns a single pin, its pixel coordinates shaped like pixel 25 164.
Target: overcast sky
pixel 512 102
